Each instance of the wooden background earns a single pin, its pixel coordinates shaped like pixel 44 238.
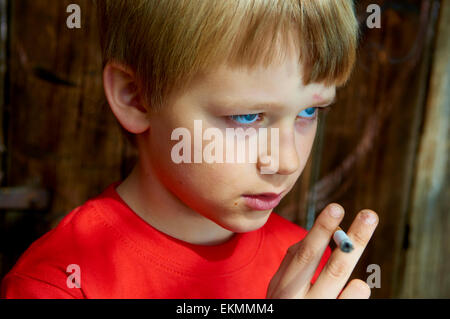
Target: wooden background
pixel 384 146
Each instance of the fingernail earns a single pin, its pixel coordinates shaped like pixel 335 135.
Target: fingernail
pixel 368 217
pixel 336 211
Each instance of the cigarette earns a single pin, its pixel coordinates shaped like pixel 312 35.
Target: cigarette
pixel 341 239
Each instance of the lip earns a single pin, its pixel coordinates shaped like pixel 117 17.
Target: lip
pixel 263 201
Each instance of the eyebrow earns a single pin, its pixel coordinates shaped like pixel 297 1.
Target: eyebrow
pixel 257 106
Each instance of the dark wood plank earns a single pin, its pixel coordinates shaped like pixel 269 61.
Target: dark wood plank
pixel 371 137
pixel 427 261
pixel 62 136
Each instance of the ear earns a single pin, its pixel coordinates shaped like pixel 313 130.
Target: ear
pixel 122 93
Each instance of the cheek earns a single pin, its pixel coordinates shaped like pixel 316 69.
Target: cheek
pixel 304 140
pixel 203 179
pixel 201 186
pixel 206 188
pixel 213 181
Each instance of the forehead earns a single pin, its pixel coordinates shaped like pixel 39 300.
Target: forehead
pixel 280 84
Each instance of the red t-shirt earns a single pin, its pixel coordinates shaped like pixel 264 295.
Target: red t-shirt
pixel 119 255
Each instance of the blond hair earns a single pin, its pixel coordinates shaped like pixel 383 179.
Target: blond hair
pixel 166 43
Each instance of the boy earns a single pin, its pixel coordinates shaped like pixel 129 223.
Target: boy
pixel 201 228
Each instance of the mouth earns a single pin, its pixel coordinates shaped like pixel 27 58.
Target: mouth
pixel 263 201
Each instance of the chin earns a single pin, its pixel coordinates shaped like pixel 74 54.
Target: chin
pixel 246 223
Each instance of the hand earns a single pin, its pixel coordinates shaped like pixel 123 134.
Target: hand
pixel 293 278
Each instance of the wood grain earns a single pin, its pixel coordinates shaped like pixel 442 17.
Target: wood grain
pixel 427 262
pixel 382 146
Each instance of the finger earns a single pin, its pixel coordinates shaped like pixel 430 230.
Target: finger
pixel 356 289
pixel 293 277
pixel 340 265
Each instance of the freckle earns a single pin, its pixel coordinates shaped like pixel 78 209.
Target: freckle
pixel 235 204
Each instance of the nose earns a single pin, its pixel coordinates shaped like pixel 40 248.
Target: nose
pixel 287 159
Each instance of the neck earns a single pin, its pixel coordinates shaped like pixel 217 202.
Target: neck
pixel 155 204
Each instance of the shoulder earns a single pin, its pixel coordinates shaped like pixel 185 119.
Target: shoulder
pixel 82 227
pixel 44 265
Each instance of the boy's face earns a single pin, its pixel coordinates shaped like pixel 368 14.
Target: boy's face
pixel 217 190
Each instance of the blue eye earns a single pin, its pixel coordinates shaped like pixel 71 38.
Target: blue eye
pixel 245 118
pixel 308 113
